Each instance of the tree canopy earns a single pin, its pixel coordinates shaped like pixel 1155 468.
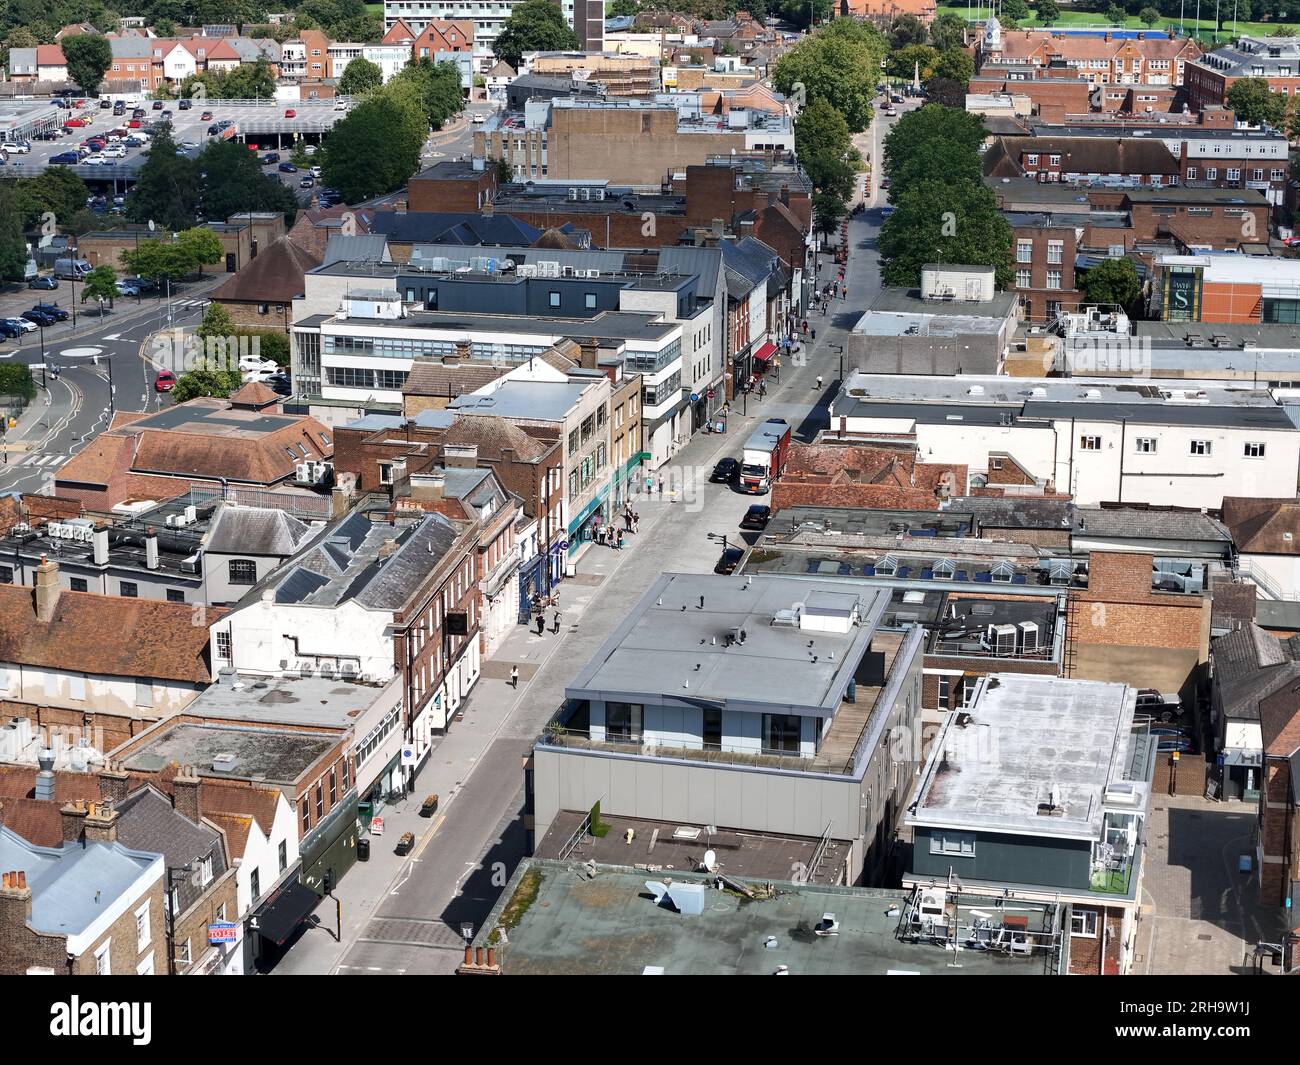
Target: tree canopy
pixel 1253 102
pixel 377 146
pixel 89 56
pixel 533 26
pixel 167 188
pixel 360 75
pixel 1111 281
pixel 840 64
pixel 233 182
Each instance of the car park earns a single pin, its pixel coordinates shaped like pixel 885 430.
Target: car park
pixel 729 560
pixel 165 381
pixel 45 282
pixel 756 517
pixel 114 151
pixel 725 472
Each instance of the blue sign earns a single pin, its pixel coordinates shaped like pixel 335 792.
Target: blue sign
pixel 223 932
pixel 695 397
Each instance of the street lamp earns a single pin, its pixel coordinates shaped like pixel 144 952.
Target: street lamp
pixel 719 538
pixel 73 248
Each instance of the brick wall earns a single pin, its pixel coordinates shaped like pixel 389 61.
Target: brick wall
pixel 1276 828
pixel 277 319
pixel 1188 779
pixel 192 925
pixel 1086 951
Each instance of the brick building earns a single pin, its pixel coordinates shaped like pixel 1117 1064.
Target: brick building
pixel 1045 249
pixel 1097 57
pixel 452 185
pixel 1274 59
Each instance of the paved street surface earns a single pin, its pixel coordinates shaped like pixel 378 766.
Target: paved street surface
pixel 404 915
pixel 1200 914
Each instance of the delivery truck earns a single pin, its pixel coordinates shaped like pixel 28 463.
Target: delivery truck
pixel 763 459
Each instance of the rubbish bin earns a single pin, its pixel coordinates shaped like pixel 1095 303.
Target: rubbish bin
pixel 363 848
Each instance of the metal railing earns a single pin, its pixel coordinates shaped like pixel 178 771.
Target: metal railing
pixel 557 736
pixel 1265 581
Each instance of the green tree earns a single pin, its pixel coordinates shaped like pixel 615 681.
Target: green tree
pixel 1149 16
pixel 820 131
pixel 907 62
pixel 828 211
pixel 101 283
pixel 795 12
pixel 438 85
pixel 1015 10
pixel 249 81
pixel 840 64
pixel 622 9
pixel 206 380
pixel 533 26
pixel 89 56
pixel 360 75
pixel 13 246
pixel 905 30
pixel 375 148
pixel 946 92
pixel 216 322
pixel 934 141
pixel 948 31
pixel 233 182
pixel 164 27
pixel 955 65
pixel 167 188
pixel 1112 281
pixel 201 246
pixel 1048 12
pixel 1116 15
pixel 57 190
pixel 159 260
pixel 951 223
pixel 1255 104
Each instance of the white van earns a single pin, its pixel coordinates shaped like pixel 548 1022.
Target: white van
pixel 71 269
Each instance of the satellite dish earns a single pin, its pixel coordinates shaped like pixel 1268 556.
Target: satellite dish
pixel 710 861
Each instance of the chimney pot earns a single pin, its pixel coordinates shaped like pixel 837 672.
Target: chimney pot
pixel 492 957
pixel 469 955
pixel 478 955
pixel 22 878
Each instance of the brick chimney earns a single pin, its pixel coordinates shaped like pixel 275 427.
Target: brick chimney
pixel 101 823
pixel 185 792
pixel 113 782
pixel 15 905
pixel 47 589
pixel 73 817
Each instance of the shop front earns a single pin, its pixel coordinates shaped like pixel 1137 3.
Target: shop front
pixel 500 597
pixel 582 528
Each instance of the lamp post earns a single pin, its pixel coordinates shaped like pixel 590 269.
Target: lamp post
pixel 73 248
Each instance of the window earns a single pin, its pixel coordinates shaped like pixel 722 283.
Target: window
pixel 334 790
pixel 320 801
pixel 284 856
pixel 1233 174
pixel 1023 279
pixel 781 733
pixel 143 691
pixel 961 844
pixel 142 934
pixel 79 584
pixel 1254 449
pixel 103 967
pixel 1211 173
pixel 573 442
pixel 1054 160
pixel 1089 443
pixel 175 595
pixel 1145 445
pixel 555 299
pixel 1024 251
pixel 345 776
pixel 242 571
pixel 1257 174
pixel 1201 447
pixel 945 693
pixel 1054 278
pixel 623 722
pixel 185 957
pixel 145 968
pixel 255 883
pixel 128 590
pixel 1031 160
pixel 1191 173
pixel 1056 251
pixel 385 473
pixel 223 646
pixel 712 732
pixel 589 300
pixel 6 574
pixel 205 870
pixel 306 816
pixel 1083 923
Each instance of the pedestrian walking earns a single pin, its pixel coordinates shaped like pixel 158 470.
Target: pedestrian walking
pixel 620 539
pixel 541 624
pixel 556 626
pixel 514 677
pixel 661 487
pixel 814 334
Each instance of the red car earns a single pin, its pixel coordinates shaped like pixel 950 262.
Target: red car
pixel 74 122
pixel 1292 242
pixel 206 116
pixel 133 124
pixel 291 113
pixel 165 382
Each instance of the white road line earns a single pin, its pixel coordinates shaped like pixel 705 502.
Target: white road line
pixel 113 336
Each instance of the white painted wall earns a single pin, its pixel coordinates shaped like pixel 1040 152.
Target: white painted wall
pixel 261 631
pixel 93 692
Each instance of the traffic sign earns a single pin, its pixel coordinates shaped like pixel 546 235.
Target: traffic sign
pixel 408 755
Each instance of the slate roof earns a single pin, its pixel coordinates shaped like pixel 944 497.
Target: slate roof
pixel 147 821
pixel 1249 665
pixel 256 531
pixel 1139 523
pixel 463 228
pixel 1086 155
pixel 107 635
pixel 429 377
pixel 359 248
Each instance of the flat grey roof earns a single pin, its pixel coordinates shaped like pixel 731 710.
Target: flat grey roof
pixel 275 756
pixel 671 650
pixel 909 301
pixel 317 701
pixel 1022 737
pixel 542 400
pixel 611 926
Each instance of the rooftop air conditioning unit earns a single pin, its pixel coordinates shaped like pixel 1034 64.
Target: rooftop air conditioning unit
pixel 1028 637
pixel 1002 639
pixel 573 194
pixel 527 270
pixel 191 515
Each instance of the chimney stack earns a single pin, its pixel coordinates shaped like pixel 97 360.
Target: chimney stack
pixel 113 782
pixel 185 793
pixel 151 548
pixel 101 823
pixel 338 502
pixel 47 590
pixel 101 544
pixel 15 900
pixel 73 817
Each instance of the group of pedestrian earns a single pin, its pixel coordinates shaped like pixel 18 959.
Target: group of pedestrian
pixel 541 622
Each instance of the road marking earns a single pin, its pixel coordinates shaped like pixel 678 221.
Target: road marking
pixel 113 336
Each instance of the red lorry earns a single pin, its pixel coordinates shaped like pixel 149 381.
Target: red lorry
pixel 763 459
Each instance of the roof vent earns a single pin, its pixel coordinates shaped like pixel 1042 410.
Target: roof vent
pixel 223 763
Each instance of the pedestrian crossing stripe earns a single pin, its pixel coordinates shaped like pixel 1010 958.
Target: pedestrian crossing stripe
pixel 42 460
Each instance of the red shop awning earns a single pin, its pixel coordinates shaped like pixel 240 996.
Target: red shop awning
pixel 765 352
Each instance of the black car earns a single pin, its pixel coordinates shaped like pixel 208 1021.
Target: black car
pixel 729 560
pixel 288 168
pixel 213 130
pixel 756 517
pixel 9 329
pixel 104 105
pixel 138 112
pixel 157 105
pixel 54 311
pixel 725 472
pixel 43 282
pixel 185 105
pixel 38 318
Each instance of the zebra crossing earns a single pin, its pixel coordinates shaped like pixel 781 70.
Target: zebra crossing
pixel 42 460
pixel 191 303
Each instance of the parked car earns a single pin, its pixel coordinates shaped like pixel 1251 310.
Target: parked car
pixel 137 112
pixel 105 104
pixel 1290 242
pixel 288 168
pixel 206 116
pixel 1164 706
pixel 165 381
pixel 114 151
pixel 479 119
pixel 10 328
pixel 1172 738
pixel 119 108
pixel 23 324
pixel 185 105
pixel 65 159
pixel 53 310
pixel 279 382
pixel 756 517
pixel 725 472
pixel 307 183
pixel 290 113
pixel 135 123
pixel 43 282
pixel 340 106
pixel 729 560
pixel 188 146
pixel 891 112
pixel 37 318
pixel 157 105
pixel 75 123
pixel 270 157
pixel 16 147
